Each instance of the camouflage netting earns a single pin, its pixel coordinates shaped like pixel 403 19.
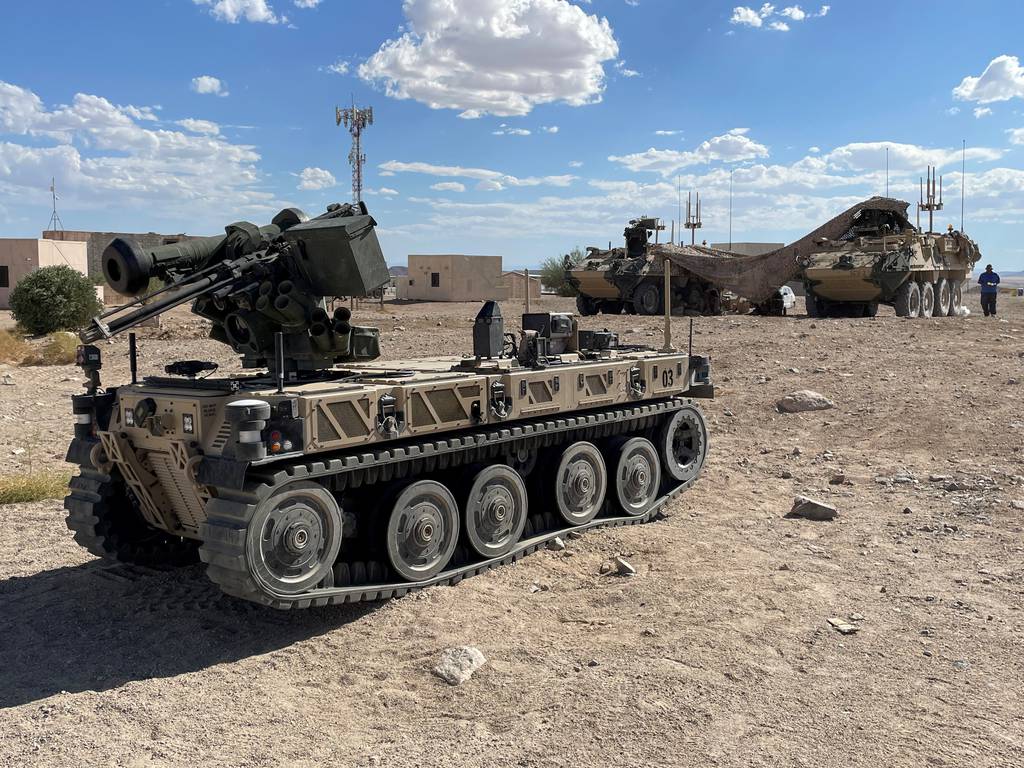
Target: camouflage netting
pixel 757 277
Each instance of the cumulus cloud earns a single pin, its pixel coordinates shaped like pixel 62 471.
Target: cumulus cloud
pixel 666 133
pixel 233 11
pixel 316 178
pixel 1002 80
pixel 490 180
pixel 504 130
pixel 130 164
pixel 982 111
pixel 339 67
pixel 307 3
pixel 381 192
pixel 625 71
pixel 1016 135
pixel 733 146
pixel 865 155
pixel 575 163
pixel 549 128
pixel 448 186
pixel 208 84
pixel 769 17
pixel 495 57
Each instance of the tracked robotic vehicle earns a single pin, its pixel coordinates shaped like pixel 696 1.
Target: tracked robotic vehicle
pixel 326 475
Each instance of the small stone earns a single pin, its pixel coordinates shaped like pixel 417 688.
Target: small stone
pixel 960 665
pixel 794 370
pixel 951 487
pixel 556 544
pixel 1012 381
pixel 647 632
pixel 811 509
pixel 623 568
pixel 785 567
pixel 593 663
pixel 837 480
pixel 797 451
pixel 939 478
pixel 1017 504
pixel 8 380
pixel 535 587
pixel 606 567
pixel 457 665
pixel 843 627
pixel 575 534
pixel 804 400
pixel 927 653
pixel 727 412
pixel 17 451
pixel 908 511
pixel 856 617
pixel 399 327
pixel 786 474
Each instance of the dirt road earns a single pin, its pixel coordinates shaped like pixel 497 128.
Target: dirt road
pixel 717 653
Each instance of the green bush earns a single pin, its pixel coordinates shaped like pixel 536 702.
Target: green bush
pixel 54 299
pixel 552 272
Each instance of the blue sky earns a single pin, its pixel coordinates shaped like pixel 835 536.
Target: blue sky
pixel 184 115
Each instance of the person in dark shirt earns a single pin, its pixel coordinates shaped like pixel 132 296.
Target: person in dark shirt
pixel 989 282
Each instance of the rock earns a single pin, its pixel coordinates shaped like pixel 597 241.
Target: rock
pixel 856 617
pixel 8 380
pixel 400 328
pixel 954 486
pixel 837 479
pixel 961 666
pixel 17 452
pixel 556 544
pixel 457 665
pixel 575 534
pixel 786 474
pixel 797 451
pixel 939 478
pixel 804 400
pixel 908 511
pixel 812 509
pixel 593 663
pixel 1012 381
pixel 606 567
pixel 727 412
pixel 843 627
pixel 794 370
pixel 623 568
pixel 535 587
pixel 1016 504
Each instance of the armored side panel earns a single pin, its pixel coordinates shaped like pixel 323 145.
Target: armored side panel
pixel 341 256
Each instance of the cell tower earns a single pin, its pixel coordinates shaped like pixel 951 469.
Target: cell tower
pixel 928 201
pixel 693 222
pixel 55 225
pixel 355 120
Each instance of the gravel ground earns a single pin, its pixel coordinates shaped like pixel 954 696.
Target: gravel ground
pixel 717 653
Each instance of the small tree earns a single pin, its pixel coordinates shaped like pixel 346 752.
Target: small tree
pixel 552 271
pixel 54 299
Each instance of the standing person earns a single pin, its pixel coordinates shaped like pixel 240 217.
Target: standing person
pixel 989 282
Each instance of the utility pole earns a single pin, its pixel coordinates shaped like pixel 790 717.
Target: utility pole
pixel 730 209
pixel 56 225
pixel 356 120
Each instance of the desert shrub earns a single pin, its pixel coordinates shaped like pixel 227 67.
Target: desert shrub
pixel 552 272
pixel 13 348
pixel 37 486
pixel 54 299
pixel 60 348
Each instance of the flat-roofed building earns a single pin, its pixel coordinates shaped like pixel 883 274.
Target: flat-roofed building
pixel 452 277
pixel 21 256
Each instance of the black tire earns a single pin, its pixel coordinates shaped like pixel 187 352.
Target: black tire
pixel 927 300
pixel 942 298
pixel 908 300
pixel 648 299
pixel 871 309
pixel 956 297
pixel 585 305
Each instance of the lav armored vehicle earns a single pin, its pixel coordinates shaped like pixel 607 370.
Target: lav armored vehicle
pixel 631 279
pixel 327 475
pixel 881 258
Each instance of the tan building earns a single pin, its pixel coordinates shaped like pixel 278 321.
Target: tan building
pixel 19 257
pixel 451 277
pixel 515 283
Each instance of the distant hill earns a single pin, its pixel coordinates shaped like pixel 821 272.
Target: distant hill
pixel 398 271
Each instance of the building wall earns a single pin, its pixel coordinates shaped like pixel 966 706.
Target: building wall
pixel 98 241
pixel 452 277
pixel 22 256
pixel 514 286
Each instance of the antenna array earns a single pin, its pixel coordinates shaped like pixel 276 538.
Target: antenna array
pixel 693 222
pixel 356 120
pixel 929 201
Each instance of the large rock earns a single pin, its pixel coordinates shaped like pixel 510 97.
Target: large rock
pixel 804 400
pixel 457 665
pixel 812 509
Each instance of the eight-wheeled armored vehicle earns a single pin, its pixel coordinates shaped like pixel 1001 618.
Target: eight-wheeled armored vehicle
pixel 327 475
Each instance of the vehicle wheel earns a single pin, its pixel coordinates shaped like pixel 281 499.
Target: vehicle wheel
pixel 871 309
pixel 585 305
pixel 637 474
pixel 908 299
pixel 647 299
pixel 927 300
pixel 294 538
pixel 811 304
pixel 581 481
pixel 682 444
pixel 956 298
pixel 942 298
pixel 495 510
pixel 422 531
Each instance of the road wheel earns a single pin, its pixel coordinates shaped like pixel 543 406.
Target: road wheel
pixel 585 305
pixel 956 298
pixel 647 299
pixel 942 298
pixel 682 444
pixel 495 511
pixel 908 300
pixel 871 309
pixel 927 300
pixel 580 483
pixel 637 474
pixel 423 530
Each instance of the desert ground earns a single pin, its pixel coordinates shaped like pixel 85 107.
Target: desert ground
pixel 717 653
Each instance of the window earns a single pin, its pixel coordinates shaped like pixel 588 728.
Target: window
pixel 5 278
pixel 435 279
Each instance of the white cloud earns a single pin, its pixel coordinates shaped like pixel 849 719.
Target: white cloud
pixel 871 155
pixel 492 180
pixel 199 126
pixel 814 150
pixel 208 84
pixel 575 163
pixel 129 165
pixel 339 67
pixel 779 26
pixel 549 128
pixel 625 71
pixel 982 111
pixel 767 17
pixel 667 133
pixel 448 186
pixel 382 192
pixel 307 3
pixel 232 11
pixel 794 12
pixel 495 57
pixel 1002 80
pixel 733 146
pixel 316 178
pixel 504 130
pixel 743 15
pixel 1016 135
pixel 953 111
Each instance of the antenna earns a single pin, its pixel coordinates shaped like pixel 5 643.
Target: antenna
pixel 55 225
pixel 730 209
pixel 356 120
pixel 693 222
pixel 886 171
pixel 679 207
pixel 928 201
pixel 963 179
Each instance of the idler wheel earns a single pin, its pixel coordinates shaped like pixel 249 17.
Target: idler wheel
pixel 495 510
pixel 422 531
pixel 637 474
pixel 682 444
pixel 580 483
pixel 294 538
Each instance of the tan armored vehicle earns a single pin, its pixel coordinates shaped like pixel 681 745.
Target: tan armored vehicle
pixel 331 476
pixel 884 259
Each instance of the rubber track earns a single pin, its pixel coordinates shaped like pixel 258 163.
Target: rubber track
pixel 224 533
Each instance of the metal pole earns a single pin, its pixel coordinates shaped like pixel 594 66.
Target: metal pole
pixel 667 301
pixel 963 177
pixel 730 210
pixel 279 359
pixel 886 171
pixel 526 285
pixel 133 360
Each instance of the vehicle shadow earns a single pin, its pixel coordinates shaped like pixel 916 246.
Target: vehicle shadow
pixel 97 626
